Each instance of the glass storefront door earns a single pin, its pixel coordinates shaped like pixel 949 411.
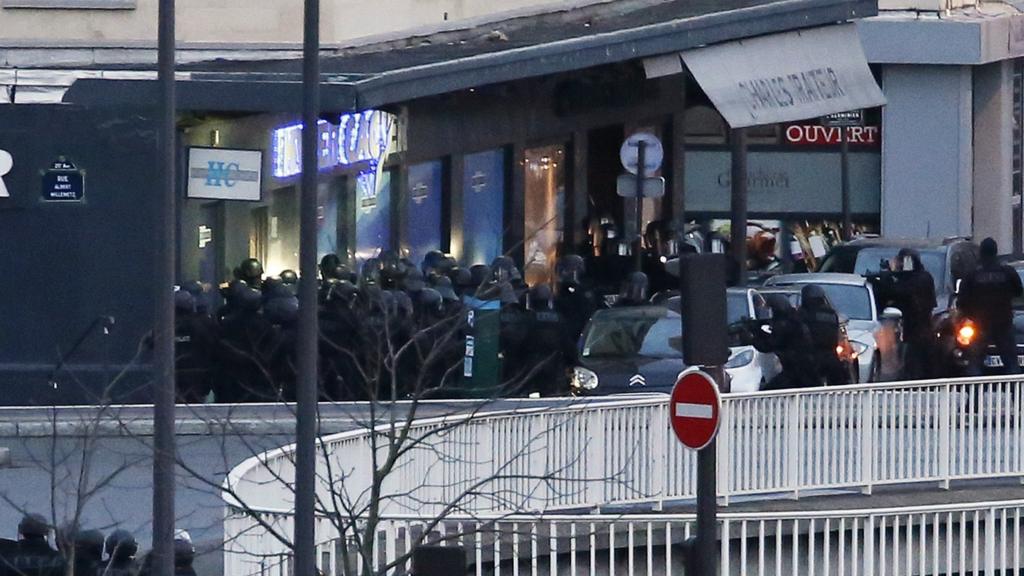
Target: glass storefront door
pixel 544 183
pixel 483 202
pixel 373 214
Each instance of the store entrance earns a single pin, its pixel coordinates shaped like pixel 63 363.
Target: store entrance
pixel 544 211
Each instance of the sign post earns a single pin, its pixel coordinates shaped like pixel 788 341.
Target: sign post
pixel 844 121
pixel 695 409
pixel 641 153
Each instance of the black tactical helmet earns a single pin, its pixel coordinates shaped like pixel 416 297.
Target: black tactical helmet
pixel 413 281
pixel 443 285
pixel 251 271
pixel 122 544
pixel 431 300
pixel 289 277
pixel 462 279
pixel 432 262
pixel 282 310
pixel 184 302
pixel 343 290
pixel 369 274
pixel 184 551
pixel 247 298
pixel 33 526
pixel 330 266
pixel 813 297
pixel 504 269
pixel 479 274
pixel 570 267
pixel 90 542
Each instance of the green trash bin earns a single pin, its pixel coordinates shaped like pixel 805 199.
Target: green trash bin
pixel 481 365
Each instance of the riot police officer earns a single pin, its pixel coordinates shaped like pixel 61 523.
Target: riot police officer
pixel 88 553
pixel 195 349
pixel 33 555
pixel 549 350
pixel 121 549
pixel 184 554
pixel 986 296
pixel 290 279
pixel 911 288
pixel 282 310
pixel 575 302
pixel 790 340
pixel 245 350
pixel 823 323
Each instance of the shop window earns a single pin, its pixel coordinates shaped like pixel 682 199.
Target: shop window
pixel 544 211
pixel 373 213
pixel 330 235
pixel 483 201
pixel 259 233
pixel 768 134
pixel 704 125
pixel 423 209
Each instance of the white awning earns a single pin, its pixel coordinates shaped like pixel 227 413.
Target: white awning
pixel 784 77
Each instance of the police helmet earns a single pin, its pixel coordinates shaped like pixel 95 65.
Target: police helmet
pixel 540 297
pixel 329 266
pixel 289 277
pixel 33 526
pixel 432 262
pixel 184 302
pixel 122 544
pixel 443 285
pixel 813 297
pixel 282 309
pixel 251 271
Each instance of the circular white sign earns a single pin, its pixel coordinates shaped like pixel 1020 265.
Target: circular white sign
pixel 6 162
pixel 654 153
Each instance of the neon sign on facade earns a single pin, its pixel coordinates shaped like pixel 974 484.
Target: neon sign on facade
pixel 361 137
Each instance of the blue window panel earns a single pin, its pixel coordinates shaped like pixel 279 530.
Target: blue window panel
pixel 373 214
pixel 423 209
pixel 483 187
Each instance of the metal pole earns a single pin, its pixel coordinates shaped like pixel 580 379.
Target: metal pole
pixel 844 159
pixel 163 329
pixel 639 256
pixel 707 499
pixel 738 241
pixel 306 417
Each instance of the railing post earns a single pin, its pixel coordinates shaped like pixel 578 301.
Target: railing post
pixel 794 451
pixel 990 541
pixel 868 427
pixel 597 476
pixel 945 454
pixel 723 446
pixel 659 451
pixel 869 547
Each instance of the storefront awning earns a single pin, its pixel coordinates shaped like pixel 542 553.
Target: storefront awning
pixel 782 77
pixel 560 40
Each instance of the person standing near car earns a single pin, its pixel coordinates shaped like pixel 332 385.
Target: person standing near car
pixel 789 339
pixel 823 322
pixel 986 296
pixel 911 288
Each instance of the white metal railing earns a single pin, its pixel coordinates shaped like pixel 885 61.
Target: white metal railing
pixel 976 538
pixel 616 451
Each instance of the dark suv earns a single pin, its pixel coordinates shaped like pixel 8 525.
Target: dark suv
pixel 947 260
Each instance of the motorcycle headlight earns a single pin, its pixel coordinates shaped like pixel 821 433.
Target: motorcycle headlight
pixel 583 379
pixel 965 333
pixel 741 359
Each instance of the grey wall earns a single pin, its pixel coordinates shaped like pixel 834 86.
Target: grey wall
pixel 993 152
pixel 927 161
pixel 66 264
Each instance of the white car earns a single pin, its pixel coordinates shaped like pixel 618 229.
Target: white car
pixel 875 338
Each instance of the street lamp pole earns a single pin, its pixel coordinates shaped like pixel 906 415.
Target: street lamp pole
pixel 306 409
pixel 163 326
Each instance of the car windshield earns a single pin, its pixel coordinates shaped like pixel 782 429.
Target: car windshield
pixel 869 261
pixel 854 302
pixel 621 336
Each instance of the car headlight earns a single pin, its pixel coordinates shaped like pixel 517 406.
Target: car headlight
pixel 741 359
pixel 859 348
pixel 583 379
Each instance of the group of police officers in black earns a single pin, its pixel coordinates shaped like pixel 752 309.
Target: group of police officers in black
pixel 86 552
pixel 391 331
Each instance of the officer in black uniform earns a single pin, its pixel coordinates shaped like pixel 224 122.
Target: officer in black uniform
pixel 246 345
pixel 195 349
pixel 790 340
pixel 549 350
pixel 911 288
pixel 986 296
pixel 576 301
pixel 121 549
pixel 282 310
pixel 823 323
pixel 290 279
pixel 88 553
pixel 340 342
pixel 33 555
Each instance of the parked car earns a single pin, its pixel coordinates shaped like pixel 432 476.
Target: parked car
pixel 874 336
pixel 639 348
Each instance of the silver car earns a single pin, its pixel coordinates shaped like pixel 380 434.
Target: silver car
pixel 876 339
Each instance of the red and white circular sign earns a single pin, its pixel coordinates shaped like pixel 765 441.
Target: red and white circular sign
pixel 694 409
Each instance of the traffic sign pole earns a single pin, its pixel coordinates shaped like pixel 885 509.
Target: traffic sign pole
pixel 707 499
pixel 844 159
pixel 640 153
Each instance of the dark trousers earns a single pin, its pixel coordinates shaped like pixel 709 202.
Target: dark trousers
pixel 1006 348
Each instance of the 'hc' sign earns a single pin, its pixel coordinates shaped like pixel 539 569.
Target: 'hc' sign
pixel 224 174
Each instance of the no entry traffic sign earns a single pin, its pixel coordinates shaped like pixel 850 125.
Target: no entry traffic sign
pixel 694 409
